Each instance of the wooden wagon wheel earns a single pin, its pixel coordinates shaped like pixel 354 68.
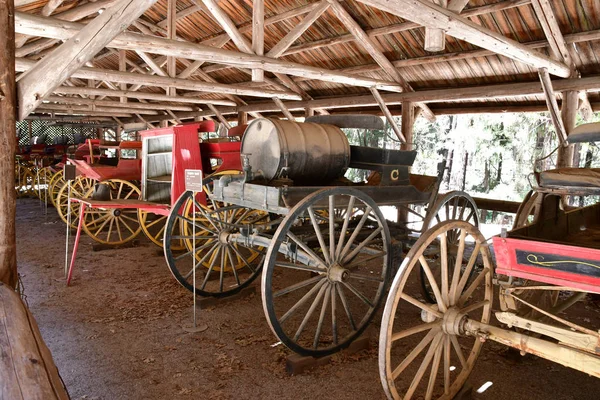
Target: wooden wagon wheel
pixel 529 210
pixel 324 295
pixel 24 180
pixel 80 187
pixel 420 340
pixel 153 226
pixel 115 225
pixel 455 205
pixel 42 183
pixel 223 268
pixel 56 183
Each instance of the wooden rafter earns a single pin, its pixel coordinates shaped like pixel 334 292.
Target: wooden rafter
pixel 388 115
pixel 284 109
pixel 553 106
pixel 48 74
pixel 431 15
pixel 374 51
pixel 160 81
pixel 298 30
pixel 139 95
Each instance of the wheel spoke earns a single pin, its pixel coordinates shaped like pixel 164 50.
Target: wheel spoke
pixel 298 285
pixel 467 293
pixel 433 284
pixel 127 225
pixel 331 227
pixel 363 277
pixel 118 230
pixel 423 367
pixel 300 267
pixel 349 215
pixel 420 305
pixel 233 266
pixel 345 304
pixel 202 260
pixel 415 352
pixel 352 238
pixel 415 329
pixel 320 284
pixel 333 314
pixel 474 306
pixel 210 267
pixel 156 221
pixel 310 311
pixel 358 294
pixel 446 365
pixel 467 272
pixel 444 266
pixel 308 251
pixel 458 351
pixel 317 229
pixel 239 254
pixel 435 367
pixel 457 267
pixel 222 271
pixel 362 245
pixel 322 316
pixel 363 261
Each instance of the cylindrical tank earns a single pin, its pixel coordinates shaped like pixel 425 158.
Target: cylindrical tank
pixel 307 153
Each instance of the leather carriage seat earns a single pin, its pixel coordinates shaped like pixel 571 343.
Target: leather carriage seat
pixel 575 177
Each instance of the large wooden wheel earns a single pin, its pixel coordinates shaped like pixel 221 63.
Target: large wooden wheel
pixel 223 267
pixel 325 278
pixel 42 183
pixel 80 187
pixel 56 183
pixel 153 226
pixel 113 225
pixel 529 210
pixel 455 205
pixel 24 180
pixel 422 353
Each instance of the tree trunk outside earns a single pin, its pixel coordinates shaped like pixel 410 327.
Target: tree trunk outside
pixel 8 143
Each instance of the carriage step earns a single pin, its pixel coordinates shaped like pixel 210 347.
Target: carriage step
pixel 297 364
pixel 205 302
pixel 106 246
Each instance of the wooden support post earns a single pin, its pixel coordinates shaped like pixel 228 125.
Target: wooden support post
pixel 408 121
pixel 242 118
pixel 123 67
pixel 54 69
pixel 258 36
pixel 8 137
pixel 568 118
pixel 309 112
pixel 435 38
pixel 171 34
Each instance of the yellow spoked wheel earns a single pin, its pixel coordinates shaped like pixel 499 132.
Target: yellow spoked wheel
pixel 81 187
pixel 154 226
pixel 42 183
pixel 114 226
pixel 24 180
pixel 56 183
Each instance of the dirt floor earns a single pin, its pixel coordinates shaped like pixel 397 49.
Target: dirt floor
pixel 116 333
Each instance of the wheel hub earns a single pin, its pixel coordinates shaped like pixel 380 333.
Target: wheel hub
pixel 337 273
pixel 116 212
pixel 453 322
pixel 224 236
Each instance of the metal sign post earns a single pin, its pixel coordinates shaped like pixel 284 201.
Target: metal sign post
pixel 68 175
pixel 193 183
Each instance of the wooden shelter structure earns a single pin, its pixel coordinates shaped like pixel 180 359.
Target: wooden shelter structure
pixel 143 62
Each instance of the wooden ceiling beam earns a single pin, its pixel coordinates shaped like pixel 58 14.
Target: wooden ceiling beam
pixel 402 27
pixel 52 71
pixel 298 30
pixel 181 14
pixel 110 103
pixel 160 81
pixel 139 95
pixel 374 51
pixel 431 15
pixel 49 27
